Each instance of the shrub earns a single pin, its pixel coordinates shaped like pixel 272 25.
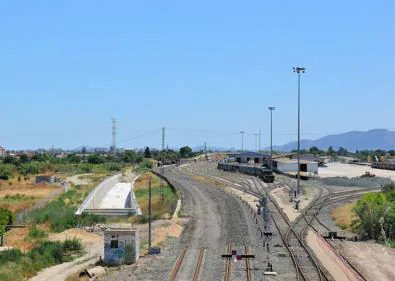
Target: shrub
pixel 72 245
pixel 35 232
pixel 11 255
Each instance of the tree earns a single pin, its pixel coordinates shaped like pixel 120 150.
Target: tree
pixel 342 151
pixel 147 152
pixel 314 150
pixel 95 159
pixel 6 218
pixel 83 151
pixel 186 152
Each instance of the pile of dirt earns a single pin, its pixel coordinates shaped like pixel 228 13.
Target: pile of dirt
pixel 355 182
pixel 80 234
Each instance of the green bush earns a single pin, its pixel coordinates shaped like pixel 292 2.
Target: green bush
pixel 35 232
pixel 11 255
pixel 72 245
pixel 62 216
pixel 16 266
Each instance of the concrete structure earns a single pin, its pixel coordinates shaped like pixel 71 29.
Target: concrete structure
pixel 111 198
pixel 115 197
pixel 45 179
pixel 245 157
pixel 121 245
pixel 287 165
pixel 2 151
pixel 309 158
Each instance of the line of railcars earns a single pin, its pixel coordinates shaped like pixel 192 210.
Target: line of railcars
pixel 263 173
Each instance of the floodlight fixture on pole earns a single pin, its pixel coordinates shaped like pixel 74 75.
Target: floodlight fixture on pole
pixel 271 108
pixel 299 70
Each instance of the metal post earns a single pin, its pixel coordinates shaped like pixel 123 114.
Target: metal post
pixel 271 108
pixel 259 142
pixel 298 70
pixel 256 140
pixel 242 141
pixel 298 133
pixel 149 216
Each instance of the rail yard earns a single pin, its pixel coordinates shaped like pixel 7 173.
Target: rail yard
pixel 225 221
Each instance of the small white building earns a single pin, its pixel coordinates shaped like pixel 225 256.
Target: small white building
pixel 287 165
pixel 121 245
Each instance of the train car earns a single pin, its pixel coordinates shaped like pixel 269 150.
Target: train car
pixel 263 173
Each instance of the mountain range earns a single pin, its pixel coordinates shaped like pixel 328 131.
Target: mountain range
pixel 352 141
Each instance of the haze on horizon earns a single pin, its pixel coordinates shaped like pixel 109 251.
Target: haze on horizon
pixel 205 71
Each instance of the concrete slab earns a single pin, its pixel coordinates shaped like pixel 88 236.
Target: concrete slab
pixel 117 197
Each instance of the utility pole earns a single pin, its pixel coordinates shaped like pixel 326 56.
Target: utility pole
pixel 205 150
pixel 163 138
pixel 149 217
pixel 271 108
pixel 256 141
pixel 259 142
pixel 299 70
pixel 242 141
pixel 114 133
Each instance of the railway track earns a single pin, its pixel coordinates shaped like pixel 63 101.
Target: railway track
pixel 199 261
pixel 228 264
pixel 248 268
pixel 177 266
pixel 292 234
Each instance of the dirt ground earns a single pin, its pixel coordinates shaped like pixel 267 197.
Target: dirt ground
pixel 28 193
pixel 17 238
pixel 375 261
pixel 281 196
pixel 161 230
pixel 349 170
pixel 80 234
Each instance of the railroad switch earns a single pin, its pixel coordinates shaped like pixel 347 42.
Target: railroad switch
pixel 269 270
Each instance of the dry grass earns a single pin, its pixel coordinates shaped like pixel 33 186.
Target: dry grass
pixel 22 194
pixel 143 181
pixel 344 216
pixel 19 238
pixel 203 179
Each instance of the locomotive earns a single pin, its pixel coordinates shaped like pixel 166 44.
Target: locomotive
pixel 263 173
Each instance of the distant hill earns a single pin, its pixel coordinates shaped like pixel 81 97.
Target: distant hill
pixel 213 148
pixel 352 141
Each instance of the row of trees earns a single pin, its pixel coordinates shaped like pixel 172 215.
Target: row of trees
pixel 376 215
pixel 43 162
pixel 361 154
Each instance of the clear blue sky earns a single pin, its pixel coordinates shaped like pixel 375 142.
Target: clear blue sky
pixel 207 69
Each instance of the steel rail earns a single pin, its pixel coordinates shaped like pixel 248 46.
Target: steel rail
pixel 228 263
pixel 198 265
pixel 178 264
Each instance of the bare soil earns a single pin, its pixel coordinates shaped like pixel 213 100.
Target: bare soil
pixel 375 261
pixel 349 170
pixel 281 196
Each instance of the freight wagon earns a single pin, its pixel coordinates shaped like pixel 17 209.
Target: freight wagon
pixel 263 173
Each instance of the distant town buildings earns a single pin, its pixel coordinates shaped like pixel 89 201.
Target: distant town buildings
pixel 2 151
